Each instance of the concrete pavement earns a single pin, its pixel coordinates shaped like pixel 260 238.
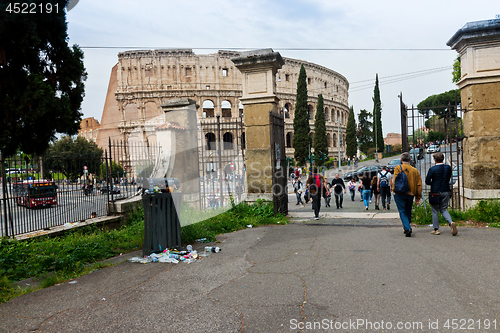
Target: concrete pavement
pixel 281 279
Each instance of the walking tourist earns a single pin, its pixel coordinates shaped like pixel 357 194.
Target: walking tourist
pixel 298 189
pixel 352 188
pixel 384 185
pixel 327 194
pixel 375 191
pixel 337 187
pixel 406 188
pixel 365 186
pixel 315 185
pixel 438 177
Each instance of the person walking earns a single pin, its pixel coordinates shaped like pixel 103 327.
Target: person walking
pixel 352 188
pixel 315 185
pixel 327 194
pixel 298 188
pixel 404 200
pixel 438 177
pixel 338 186
pixel 383 183
pixel 375 191
pixel 365 186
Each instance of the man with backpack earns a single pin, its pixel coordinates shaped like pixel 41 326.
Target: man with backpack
pixel 384 187
pixel 407 185
pixel 315 185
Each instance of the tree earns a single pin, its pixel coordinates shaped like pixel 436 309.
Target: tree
pixel 437 103
pixel 301 128
pixel 377 114
pixel 41 79
pixel 350 135
pixel 69 155
pixel 364 133
pixel 320 142
pixel 117 170
pixel 457 71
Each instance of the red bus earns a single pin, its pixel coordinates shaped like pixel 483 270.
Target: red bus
pixel 35 193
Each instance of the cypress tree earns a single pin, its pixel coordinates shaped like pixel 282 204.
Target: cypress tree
pixel 301 128
pixel 320 142
pixel 364 133
pixel 350 135
pixel 377 106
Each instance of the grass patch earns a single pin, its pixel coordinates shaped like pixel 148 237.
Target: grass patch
pixel 486 211
pixel 79 251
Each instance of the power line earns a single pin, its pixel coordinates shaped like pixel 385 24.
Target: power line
pixel 253 48
pixel 422 71
pixel 398 79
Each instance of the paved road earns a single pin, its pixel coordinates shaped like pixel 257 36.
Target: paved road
pixel 279 278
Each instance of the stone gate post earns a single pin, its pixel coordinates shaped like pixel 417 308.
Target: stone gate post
pixel 259 69
pixel 478 44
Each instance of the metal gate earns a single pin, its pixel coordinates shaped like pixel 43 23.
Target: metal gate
pixel 221 152
pixel 442 125
pixel 278 162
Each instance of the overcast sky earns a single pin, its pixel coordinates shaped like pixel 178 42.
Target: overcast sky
pixel 291 24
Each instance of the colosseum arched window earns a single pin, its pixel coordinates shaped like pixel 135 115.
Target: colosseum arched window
pixel 210 141
pixel 289 139
pixel 328 139
pixel 208 109
pixel 327 114
pixel 226 108
pixel 334 140
pixel 310 111
pixel 332 116
pixel 227 139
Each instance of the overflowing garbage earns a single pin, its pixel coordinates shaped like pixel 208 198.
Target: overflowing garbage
pixel 175 256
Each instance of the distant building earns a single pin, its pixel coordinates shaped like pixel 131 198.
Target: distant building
pixel 393 139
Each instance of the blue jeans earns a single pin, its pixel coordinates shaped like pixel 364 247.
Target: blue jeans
pixel 353 193
pixel 405 205
pixel 366 197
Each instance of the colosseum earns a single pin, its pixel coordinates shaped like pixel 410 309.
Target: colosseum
pixel 143 79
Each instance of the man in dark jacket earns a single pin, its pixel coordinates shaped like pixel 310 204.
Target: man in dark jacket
pixel 337 186
pixel 438 177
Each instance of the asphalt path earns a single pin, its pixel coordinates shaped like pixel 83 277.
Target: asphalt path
pixel 284 279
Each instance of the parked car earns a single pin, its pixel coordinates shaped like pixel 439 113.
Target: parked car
pixel 370 170
pixel 352 174
pixel 433 149
pixel 106 189
pixel 393 164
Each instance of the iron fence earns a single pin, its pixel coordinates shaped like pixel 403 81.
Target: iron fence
pixel 442 128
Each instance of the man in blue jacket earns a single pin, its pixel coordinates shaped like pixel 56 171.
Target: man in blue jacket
pixel 438 177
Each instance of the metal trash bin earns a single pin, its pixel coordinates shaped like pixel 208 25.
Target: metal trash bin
pixel 162 228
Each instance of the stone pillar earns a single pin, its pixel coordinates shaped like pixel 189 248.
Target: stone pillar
pixel 478 44
pixel 258 69
pixel 181 113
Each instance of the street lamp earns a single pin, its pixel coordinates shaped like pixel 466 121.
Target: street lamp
pixel 338 139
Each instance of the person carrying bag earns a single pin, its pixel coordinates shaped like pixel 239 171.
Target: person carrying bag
pixel 438 177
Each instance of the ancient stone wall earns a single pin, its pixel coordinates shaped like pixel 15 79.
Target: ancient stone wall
pixel 144 79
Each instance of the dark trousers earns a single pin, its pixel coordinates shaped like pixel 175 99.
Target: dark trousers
pixel 339 199
pixel 316 205
pixel 385 193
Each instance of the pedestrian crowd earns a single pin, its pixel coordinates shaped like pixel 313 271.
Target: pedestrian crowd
pixel 405 185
